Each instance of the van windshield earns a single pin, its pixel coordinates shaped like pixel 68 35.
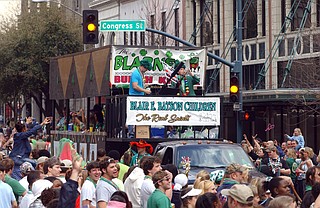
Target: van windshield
pixel 213 156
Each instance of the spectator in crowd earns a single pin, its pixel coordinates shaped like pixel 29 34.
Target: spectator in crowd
pixel 288 201
pixel 22 147
pixel 40 163
pixel 150 167
pixel 274 165
pixel 158 198
pixel 101 154
pixel 316 195
pixel 17 188
pixel 208 200
pixel 207 186
pixel 232 176
pixel 143 149
pixel 32 177
pixel 106 187
pixel 304 165
pixel 119 199
pixel 239 196
pixel 52 167
pixel 278 186
pixel 297 136
pixel 189 197
pixel 201 176
pixel 37 188
pixel 7 198
pixel 180 182
pixel 69 190
pixel 133 183
pixel 25 169
pixel 123 168
pixel 312 177
pixel 291 157
pixel 61 124
pixel 88 190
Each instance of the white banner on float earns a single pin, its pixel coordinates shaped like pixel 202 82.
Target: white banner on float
pixel 173 111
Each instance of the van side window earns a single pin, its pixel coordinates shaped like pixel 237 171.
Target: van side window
pixel 167 158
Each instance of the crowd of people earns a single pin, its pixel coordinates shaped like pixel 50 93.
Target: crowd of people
pixel 31 177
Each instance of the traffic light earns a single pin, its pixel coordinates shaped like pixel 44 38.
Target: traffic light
pixel 90 27
pixel 234 89
pixel 247 116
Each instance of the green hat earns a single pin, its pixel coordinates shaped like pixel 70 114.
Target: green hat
pixel 177 63
pixel 146 64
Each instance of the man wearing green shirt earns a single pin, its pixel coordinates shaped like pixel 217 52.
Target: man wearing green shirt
pixel 158 198
pixel 186 80
pixel 17 188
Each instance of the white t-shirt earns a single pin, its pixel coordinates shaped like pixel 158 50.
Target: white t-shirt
pixel 6 196
pixel 24 183
pixel 27 199
pixel 88 192
pixel 147 189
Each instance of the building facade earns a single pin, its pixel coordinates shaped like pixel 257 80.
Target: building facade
pixel 281 48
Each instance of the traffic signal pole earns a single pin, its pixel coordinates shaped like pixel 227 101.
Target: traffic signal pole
pixel 238 68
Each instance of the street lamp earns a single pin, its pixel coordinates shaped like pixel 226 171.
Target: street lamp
pixel 64 6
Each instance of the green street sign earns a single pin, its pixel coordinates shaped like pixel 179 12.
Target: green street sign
pixel 122 25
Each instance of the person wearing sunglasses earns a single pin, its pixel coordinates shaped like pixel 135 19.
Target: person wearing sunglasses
pixel 158 199
pixel 150 167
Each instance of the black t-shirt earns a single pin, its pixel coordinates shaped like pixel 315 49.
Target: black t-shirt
pixel 270 167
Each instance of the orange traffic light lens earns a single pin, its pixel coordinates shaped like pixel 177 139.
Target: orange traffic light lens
pixel 91 27
pixel 234 89
pixel 246 116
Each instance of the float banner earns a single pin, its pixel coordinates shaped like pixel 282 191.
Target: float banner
pixel 173 111
pixel 125 60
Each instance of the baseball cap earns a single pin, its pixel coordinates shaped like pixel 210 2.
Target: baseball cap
pixel 26 167
pixel 233 168
pixel 146 64
pixel 271 148
pixel 180 181
pixel 192 192
pixel 240 193
pixel 41 159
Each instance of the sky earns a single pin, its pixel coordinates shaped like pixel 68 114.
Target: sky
pixel 8 7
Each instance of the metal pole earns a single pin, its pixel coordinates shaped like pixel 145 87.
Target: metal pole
pixel 238 67
pixel 232 65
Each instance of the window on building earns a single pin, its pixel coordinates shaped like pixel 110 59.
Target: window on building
pixel 135 35
pixel 176 25
pixel 283 14
pixel 299 72
pixel 142 38
pixel 207 23
pixel 213 80
pixel 318 13
pixel 131 38
pixel 125 38
pixel 163 27
pixel 152 20
pixel 263 18
pixel 251 75
pixel 249 19
pixel 218 16
pixel 298 16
